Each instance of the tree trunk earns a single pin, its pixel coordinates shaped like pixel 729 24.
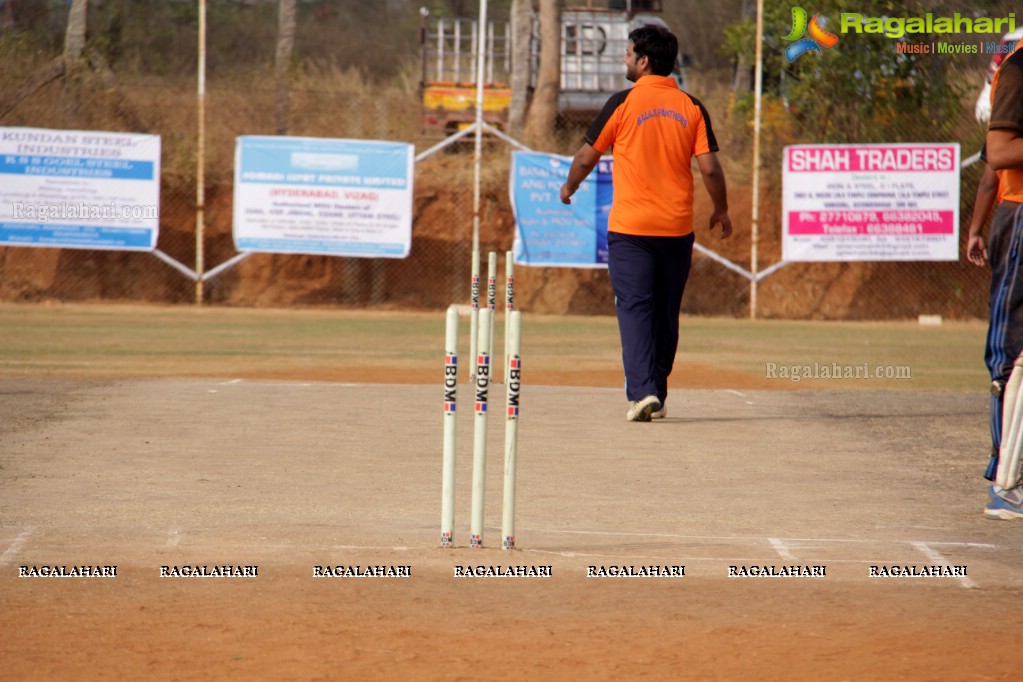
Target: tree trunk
pixel 74 45
pixel 521 35
pixel 74 37
pixel 8 21
pixel 282 60
pixel 543 111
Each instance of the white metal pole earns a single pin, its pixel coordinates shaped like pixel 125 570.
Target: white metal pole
pixel 481 50
pixel 513 374
pixel 447 505
pixel 200 158
pixel 440 49
pixel 758 87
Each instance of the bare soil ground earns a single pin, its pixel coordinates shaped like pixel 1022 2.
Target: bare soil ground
pixel 288 475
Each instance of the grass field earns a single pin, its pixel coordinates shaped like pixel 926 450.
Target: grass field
pixel 105 340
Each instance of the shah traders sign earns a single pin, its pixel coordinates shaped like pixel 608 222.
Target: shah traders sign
pixel 79 189
pixel 323 196
pixel 878 202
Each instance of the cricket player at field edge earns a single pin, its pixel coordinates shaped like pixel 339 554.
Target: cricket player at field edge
pixel 1004 150
pixel 655 129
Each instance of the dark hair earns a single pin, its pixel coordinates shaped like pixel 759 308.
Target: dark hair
pixel 657 44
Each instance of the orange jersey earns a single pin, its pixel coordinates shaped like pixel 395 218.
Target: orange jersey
pixel 655 130
pixel 1007 113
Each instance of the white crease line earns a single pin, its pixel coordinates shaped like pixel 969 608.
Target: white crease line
pixel 939 559
pixel 635 535
pixel 15 547
pixel 733 392
pixel 739 538
pixel 235 382
pixel 632 557
pixel 818 560
pixel 782 550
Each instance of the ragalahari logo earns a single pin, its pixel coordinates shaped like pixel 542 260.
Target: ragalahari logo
pixel 818 36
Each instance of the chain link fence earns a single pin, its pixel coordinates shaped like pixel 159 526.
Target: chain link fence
pixel 157 97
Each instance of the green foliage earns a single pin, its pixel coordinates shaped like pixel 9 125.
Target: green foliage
pixel 860 90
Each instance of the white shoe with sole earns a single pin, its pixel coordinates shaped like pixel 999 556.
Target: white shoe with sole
pixel 640 410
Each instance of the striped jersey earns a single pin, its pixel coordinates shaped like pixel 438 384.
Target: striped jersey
pixel 655 130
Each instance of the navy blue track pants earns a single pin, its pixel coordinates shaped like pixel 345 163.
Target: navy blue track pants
pixel 648 275
pixel 1005 327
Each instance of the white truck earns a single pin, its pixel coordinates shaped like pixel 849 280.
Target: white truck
pixel 594 34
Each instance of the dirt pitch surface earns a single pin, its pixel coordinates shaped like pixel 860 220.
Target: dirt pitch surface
pixel 290 475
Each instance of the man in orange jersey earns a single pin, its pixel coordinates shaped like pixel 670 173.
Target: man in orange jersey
pixel 1004 145
pixel 655 129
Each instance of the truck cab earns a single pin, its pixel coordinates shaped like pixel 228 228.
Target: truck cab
pixel 594 35
pixel 593 42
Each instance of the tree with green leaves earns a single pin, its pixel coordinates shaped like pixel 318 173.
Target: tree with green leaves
pixel 862 89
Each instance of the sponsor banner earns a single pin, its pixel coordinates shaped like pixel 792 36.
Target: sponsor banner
pixel 318 196
pixel 551 233
pixel 79 189
pixel 883 202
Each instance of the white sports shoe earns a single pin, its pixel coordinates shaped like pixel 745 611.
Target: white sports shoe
pixel 1005 504
pixel 661 413
pixel 641 410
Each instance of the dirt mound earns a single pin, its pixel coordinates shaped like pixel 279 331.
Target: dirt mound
pixel 437 271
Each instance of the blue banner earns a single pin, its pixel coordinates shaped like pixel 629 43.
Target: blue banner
pixel 323 162
pixel 79 189
pixel 322 196
pixel 549 232
pixel 74 167
pixel 75 236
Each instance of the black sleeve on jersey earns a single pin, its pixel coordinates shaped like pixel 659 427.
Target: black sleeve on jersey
pixel 712 142
pixel 613 102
